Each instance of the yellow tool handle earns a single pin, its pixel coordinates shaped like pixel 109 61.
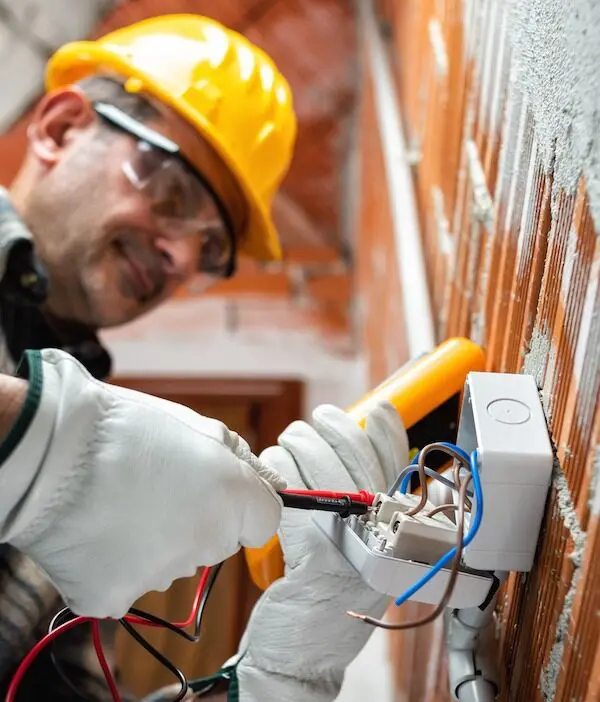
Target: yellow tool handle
pixel 416 390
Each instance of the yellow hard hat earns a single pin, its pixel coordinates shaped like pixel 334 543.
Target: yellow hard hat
pixel 223 85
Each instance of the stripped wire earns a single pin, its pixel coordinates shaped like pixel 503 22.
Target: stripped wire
pixel 447 594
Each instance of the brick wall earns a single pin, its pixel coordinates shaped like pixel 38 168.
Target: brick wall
pixel 501 109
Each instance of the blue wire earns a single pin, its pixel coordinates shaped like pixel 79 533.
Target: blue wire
pixel 405 482
pixel 475 524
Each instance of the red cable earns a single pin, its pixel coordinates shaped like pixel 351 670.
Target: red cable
pixel 110 681
pixel 35 651
pixel 49 638
pixel 361 496
pixel 196 604
pixel 132 619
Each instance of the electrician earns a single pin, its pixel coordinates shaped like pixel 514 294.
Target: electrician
pixel 153 157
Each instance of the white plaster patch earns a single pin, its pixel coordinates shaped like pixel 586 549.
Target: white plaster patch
pixel 438 46
pixel 537 356
pixel 549 382
pixel 478 328
pixel 551 671
pixel 595 484
pixel 483 206
pixel 571 256
pixel 445 240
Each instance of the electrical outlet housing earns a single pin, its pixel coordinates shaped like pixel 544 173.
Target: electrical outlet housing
pixel 502 418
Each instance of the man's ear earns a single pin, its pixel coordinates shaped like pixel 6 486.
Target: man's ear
pixel 57 119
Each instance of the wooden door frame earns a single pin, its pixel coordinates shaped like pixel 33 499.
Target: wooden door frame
pixel 273 404
pixel 277 401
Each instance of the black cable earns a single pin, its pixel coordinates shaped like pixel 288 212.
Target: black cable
pixel 162 623
pixel 65 614
pixel 163 660
pixel 195 636
pixel 207 590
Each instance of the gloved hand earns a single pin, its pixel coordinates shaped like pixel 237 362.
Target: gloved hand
pixel 299 640
pixel 115 493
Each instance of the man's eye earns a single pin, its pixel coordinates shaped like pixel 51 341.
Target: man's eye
pixel 171 202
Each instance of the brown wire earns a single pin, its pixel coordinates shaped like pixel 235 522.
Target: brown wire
pixel 423 476
pixel 454 569
pixel 456 472
pixel 456 476
pixel 443 508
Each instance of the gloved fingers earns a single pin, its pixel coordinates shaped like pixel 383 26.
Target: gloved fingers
pixel 267 472
pixel 319 465
pixel 281 461
pixel 352 445
pixel 296 525
pixel 261 514
pixel 385 429
pixel 299 627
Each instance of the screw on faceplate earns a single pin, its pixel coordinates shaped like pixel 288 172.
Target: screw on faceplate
pixel 395 527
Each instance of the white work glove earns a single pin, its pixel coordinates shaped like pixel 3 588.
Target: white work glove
pixel 114 493
pixel 300 640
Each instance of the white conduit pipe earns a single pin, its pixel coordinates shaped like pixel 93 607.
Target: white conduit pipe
pixel 418 315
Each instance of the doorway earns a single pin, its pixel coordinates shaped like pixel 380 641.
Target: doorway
pixel 259 410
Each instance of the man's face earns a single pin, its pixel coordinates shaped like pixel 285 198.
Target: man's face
pixel 109 256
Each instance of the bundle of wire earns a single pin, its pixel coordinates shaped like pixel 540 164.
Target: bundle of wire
pixel 454 555
pixel 66 620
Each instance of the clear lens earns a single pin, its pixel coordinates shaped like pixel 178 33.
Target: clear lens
pixel 181 204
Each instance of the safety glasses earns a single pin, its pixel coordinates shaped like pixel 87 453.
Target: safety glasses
pixel 181 200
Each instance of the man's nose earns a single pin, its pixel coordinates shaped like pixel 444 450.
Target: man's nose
pixel 179 256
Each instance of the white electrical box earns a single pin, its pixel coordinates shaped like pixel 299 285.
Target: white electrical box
pixel 386 573
pixel 502 417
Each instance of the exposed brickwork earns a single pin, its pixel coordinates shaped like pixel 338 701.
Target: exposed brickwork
pixel 514 262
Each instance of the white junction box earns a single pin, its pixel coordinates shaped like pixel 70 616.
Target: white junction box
pixel 387 573
pixel 502 418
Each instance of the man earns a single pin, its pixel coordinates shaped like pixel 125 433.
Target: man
pixel 154 157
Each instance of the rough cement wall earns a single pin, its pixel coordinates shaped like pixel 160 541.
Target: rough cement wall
pixel 556 58
pixel 501 108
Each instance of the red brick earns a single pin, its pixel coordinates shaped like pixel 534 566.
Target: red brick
pixel 311 254
pixel 330 288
